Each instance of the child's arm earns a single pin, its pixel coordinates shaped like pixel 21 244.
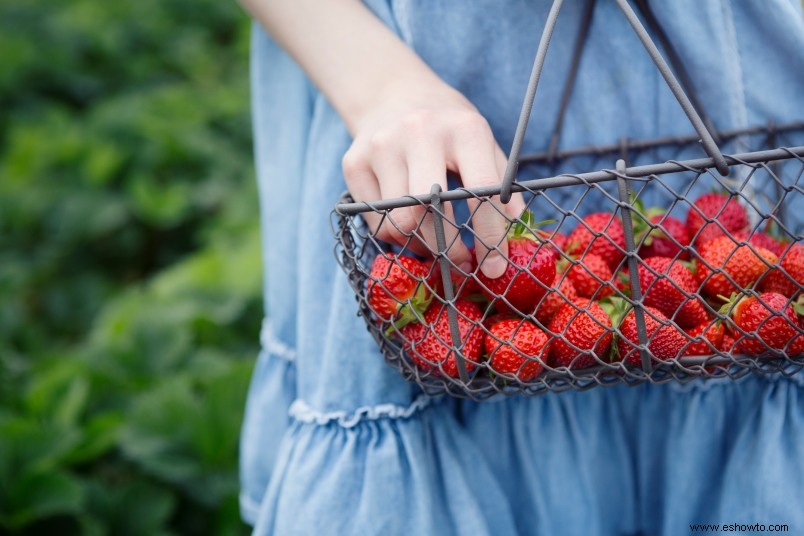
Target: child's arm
pixel 409 127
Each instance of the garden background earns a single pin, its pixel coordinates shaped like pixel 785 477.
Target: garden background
pixel 129 265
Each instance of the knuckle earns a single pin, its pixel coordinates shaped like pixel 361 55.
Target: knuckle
pixel 418 121
pixel 384 233
pixel 405 220
pixel 382 141
pixel 476 124
pixel 353 163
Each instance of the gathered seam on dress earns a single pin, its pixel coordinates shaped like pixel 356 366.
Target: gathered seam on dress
pixel 301 411
pixel 272 345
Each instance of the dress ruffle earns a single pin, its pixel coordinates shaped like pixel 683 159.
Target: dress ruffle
pixel 414 473
pixel 273 389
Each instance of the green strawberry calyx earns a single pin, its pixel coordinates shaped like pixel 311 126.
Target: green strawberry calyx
pixel 525 225
pixel 798 305
pixel 616 308
pixel 731 304
pixel 412 310
pixel 644 231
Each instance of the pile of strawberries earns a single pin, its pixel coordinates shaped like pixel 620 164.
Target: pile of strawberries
pixel 710 286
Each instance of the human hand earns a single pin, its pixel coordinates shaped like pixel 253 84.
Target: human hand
pixel 408 139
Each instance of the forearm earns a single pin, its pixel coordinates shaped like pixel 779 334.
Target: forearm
pixel 347 52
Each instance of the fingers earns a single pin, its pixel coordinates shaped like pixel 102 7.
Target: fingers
pixel 361 182
pixel 407 159
pixel 380 170
pixel 427 165
pixel 361 172
pixel 516 206
pixel 478 162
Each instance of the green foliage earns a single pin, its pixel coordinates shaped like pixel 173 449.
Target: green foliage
pixel 129 266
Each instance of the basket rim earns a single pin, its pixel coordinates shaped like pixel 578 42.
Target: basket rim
pixel 348 207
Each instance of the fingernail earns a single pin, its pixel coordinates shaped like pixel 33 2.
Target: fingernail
pixel 494 265
pixel 466 267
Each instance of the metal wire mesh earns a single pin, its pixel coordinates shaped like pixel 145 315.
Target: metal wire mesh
pixel 609 312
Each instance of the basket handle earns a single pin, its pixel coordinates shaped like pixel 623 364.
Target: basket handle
pixel 709 144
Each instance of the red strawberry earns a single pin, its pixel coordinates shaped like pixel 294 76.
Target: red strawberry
pixel 511 342
pixel 665 290
pixel 759 239
pixel 729 342
pixel 665 340
pixel 395 282
pixel 715 207
pixel 601 234
pixel 553 238
pixel 661 241
pixel 582 330
pixel 463 285
pixel 430 343
pixel 434 276
pixel 592 277
pixel 741 263
pixel 703 332
pixel 791 283
pixel 555 298
pixel 770 321
pixel 530 272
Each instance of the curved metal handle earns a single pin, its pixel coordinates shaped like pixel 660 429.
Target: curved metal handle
pixel 527 106
pixel 706 137
pixel 707 140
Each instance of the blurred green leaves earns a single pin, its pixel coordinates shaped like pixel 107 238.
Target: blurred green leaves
pixel 129 266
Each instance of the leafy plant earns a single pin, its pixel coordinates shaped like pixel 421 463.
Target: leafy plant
pixel 129 266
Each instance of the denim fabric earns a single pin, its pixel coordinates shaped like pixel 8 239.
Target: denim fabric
pixel 336 442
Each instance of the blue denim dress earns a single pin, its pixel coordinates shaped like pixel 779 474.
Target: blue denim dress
pixel 336 442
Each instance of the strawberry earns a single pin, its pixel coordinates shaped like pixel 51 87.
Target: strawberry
pixel 715 207
pixel 788 277
pixel 761 240
pixel 665 238
pixel 592 277
pixel 555 239
pixel 705 331
pixel 600 234
pixel 664 283
pixel 582 329
pixel 743 264
pixel 434 276
pixel 555 298
pixel 530 272
pixel 771 323
pixel 729 342
pixel 665 340
pixel 464 285
pixel 430 343
pixel 511 342
pixel 396 285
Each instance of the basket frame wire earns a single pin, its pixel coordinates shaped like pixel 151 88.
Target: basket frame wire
pixel 353 208
pixel 631 255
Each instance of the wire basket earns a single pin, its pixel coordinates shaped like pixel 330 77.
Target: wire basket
pixel 687 265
